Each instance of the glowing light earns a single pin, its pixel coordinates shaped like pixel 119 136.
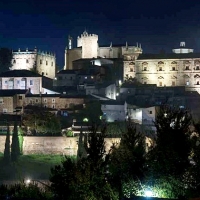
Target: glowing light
pixel 28 181
pixel 85 120
pixel 148 193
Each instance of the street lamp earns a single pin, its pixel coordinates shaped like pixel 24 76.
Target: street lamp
pixel 38 182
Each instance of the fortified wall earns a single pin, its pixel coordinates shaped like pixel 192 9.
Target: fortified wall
pixel 52 145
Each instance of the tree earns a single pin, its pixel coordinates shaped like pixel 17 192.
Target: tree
pixel 5 59
pixel 92 112
pixel 15 147
pixel 86 178
pixel 41 121
pixel 128 159
pixel 168 160
pixel 7 146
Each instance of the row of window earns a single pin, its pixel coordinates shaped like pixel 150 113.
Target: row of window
pixel 174 83
pixel 37 101
pixel 172 69
pixel 41 61
pixel 18 82
pixel 174 63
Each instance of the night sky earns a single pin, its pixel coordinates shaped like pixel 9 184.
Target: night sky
pixel 46 24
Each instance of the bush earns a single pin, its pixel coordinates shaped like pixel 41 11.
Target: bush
pixel 69 133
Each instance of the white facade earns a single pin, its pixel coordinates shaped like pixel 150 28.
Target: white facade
pixel 115 112
pixel 88 47
pixel 42 62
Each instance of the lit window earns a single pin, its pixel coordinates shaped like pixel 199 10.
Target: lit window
pixel 85 77
pixel 187 83
pixel 5 110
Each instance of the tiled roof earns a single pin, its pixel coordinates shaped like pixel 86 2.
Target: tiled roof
pixel 168 56
pixel 67 71
pixel 20 73
pixel 12 92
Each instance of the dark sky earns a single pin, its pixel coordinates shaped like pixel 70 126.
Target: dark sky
pixel 156 24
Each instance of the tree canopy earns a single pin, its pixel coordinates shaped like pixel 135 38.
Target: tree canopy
pixel 5 59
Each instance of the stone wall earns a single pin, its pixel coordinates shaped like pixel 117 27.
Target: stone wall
pixel 52 145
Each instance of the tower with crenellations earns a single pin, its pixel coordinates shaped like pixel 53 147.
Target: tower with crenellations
pixel 89 44
pixel 35 60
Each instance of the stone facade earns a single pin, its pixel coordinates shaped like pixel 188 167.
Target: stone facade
pixel 55 101
pixel 44 63
pixel 170 72
pixel 11 99
pixel 34 84
pixel 52 145
pixel 88 47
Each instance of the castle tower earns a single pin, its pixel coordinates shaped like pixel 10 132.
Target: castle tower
pixel 89 44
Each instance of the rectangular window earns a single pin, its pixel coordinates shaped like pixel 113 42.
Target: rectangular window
pixel 187 83
pixel 173 68
pixel 45 100
pixel 46 62
pixel 51 63
pixel 145 68
pixel 160 68
pixel 36 100
pixel 31 82
pixel 18 82
pixel 20 97
pixel 27 61
pixel 150 112
pixel 187 68
pixel 40 61
pixel 53 105
pixel 1 101
pixel 160 84
pixel 173 83
pixel 5 110
pixel 53 100
pixel 6 82
pixel 131 69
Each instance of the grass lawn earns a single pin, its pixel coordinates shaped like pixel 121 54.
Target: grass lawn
pixel 29 166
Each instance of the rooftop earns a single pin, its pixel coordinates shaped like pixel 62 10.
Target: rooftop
pixel 20 73
pixel 168 56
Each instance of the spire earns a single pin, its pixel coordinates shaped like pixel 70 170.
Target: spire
pixel 70 42
pixel 126 45
pixel 111 45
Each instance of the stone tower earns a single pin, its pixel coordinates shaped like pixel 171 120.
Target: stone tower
pixel 89 44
